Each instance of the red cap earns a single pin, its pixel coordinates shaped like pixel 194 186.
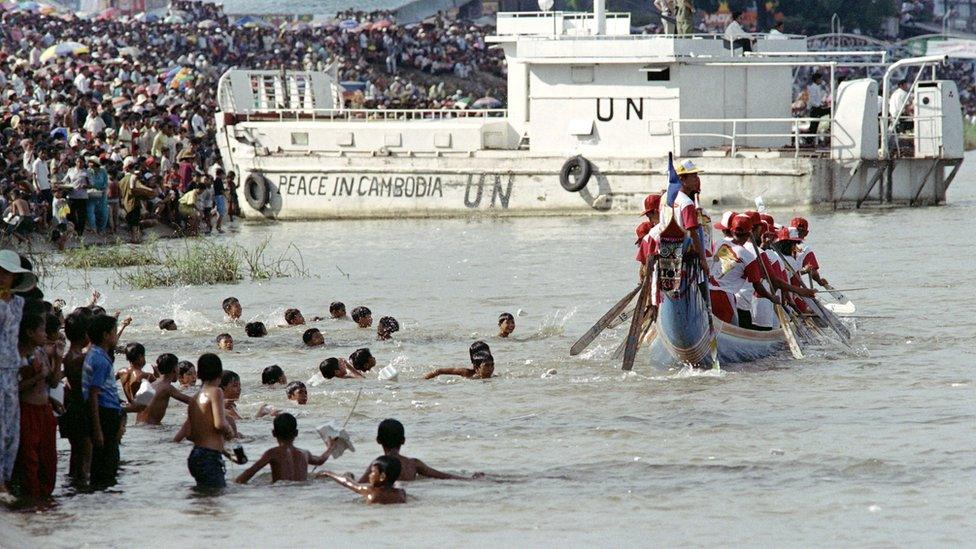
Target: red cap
pixel 754 217
pixel 787 234
pixel 740 223
pixel 642 230
pixel 800 223
pixel 652 202
pixel 723 225
pixel 768 220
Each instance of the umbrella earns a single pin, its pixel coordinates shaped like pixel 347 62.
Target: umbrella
pixel 178 79
pixel 8 6
pixel 486 103
pixel 250 22
pixel 382 24
pixel 131 51
pixel 119 102
pixel 28 6
pixel 348 24
pixel 207 24
pixel 173 20
pixel 145 17
pixel 463 103
pixel 364 27
pixel 63 49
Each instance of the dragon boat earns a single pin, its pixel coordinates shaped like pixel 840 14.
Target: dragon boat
pixel 683 333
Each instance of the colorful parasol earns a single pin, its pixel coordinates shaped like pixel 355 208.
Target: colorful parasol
pixel 63 49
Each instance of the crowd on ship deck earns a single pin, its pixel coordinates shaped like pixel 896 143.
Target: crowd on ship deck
pixel 112 130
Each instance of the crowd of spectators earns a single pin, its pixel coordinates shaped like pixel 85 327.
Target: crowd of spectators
pixel 115 126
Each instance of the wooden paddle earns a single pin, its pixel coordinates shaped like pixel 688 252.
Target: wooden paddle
pixel 827 316
pixel 784 321
pixel 604 321
pixel 637 322
pixel 649 324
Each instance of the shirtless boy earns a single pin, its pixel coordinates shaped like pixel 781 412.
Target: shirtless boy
pixel 337 310
pixel 208 425
pixel 313 337
pixel 483 366
pixel 506 324
pixel 132 376
pixel 297 392
pixel 383 473
pixel 225 342
pixel 287 462
pixel 164 390
pixel 338 368
pixel 362 316
pixel 391 437
pixel 187 375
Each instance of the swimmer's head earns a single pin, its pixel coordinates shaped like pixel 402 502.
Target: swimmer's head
pixel 293 317
pixel 384 471
pixel 166 364
pixel 230 382
pixel 188 373
pixel 313 337
pixel 167 324
pixel 285 427
pixel 297 391
pixel 255 329
pixel 390 434
pixel 232 308
pixel 329 368
pixel 337 309
pixel 484 364
pixel 210 368
pixel 225 342
pixel 506 324
pixel 272 375
pixel 362 316
pixel 362 360
pixel 476 347
pixel 135 353
pixel 386 327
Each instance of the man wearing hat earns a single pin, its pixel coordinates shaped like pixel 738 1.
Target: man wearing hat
pixel 14 279
pixel 648 232
pixel 806 259
pixel 685 211
pixel 735 271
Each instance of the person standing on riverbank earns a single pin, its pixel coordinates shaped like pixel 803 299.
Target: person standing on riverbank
pixel 11 312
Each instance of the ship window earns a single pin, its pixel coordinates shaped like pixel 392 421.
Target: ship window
pixel 582 75
pixel 299 139
pixel 658 74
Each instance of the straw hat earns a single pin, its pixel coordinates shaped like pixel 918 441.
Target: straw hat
pixel 10 262
pixel 687 167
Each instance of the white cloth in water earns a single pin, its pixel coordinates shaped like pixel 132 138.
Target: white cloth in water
pixel 145 393
pixel 342 443
pixel 389 373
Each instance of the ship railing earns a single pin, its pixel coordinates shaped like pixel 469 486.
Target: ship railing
pixel 736 136
pixel 365 115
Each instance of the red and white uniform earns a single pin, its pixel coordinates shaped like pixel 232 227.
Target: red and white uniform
pixel 734 269
pixel 806 257
pixel 648 247
pixel 685 211
pixel 763 312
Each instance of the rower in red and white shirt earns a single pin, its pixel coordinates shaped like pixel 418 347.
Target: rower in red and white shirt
pixel 735 268
pixel 807 258
pixel 686 212
pixel 763 311
pixel 648 239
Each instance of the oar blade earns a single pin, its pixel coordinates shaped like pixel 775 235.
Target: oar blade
pixel 584 341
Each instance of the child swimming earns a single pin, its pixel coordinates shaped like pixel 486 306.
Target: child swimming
pixel 232 308
pixel 337 310
pixel 506 324
pixel 483 366
pixel 287 462
pixel 390 435
pixel 313 337
pixel 362 360
pixel 362 316
pixel 386 327
pixel 297 392
pixel 383 474
pixel 338 368
pixel 255 329
pixel 225 342
pixel 163 388
pixel 273 375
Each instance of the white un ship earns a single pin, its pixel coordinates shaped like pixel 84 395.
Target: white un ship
pixel 592 113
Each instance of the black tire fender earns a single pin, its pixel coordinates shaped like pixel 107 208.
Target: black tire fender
pixel 575 173
pixel 257 191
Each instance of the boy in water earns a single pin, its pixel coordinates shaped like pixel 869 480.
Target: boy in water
pixel 477 347
pixel 232 308
pixel 132 376
pixel 506 324
pixel 294 317
pixel 362 360
pixel 36 465
pixel 225 342
pixel 75 424
pixel 255 329
pixel 273 375
pixel 362 316
pixel 164 390
pixel 297 392
pixel 382 475
pixel 313 337
pixel 287 462
pixel 338 368
pixel 337 310
pixel 390 435
pixel 386 327
pixel 187 375
pixel 208 425
pixel 167 325
pixel 230 384
pixel 483 366
pixel 105 410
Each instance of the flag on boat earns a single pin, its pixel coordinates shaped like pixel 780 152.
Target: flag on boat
pixel 674 184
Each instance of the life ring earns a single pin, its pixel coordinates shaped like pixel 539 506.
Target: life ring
pixel 257 191
pixel 575 173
